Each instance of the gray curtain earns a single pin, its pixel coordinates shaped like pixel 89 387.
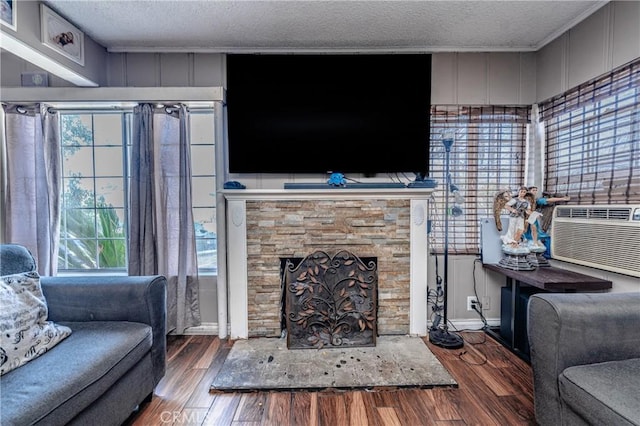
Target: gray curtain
pixel 162 235
pixel 31 163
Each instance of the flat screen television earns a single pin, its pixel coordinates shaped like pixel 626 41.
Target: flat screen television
pixel 346 113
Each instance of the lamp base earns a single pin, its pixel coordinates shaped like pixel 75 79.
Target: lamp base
pixel 445 339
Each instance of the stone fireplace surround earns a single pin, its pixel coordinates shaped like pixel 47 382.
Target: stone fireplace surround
pixel 266 225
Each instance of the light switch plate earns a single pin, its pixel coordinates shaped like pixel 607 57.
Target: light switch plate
pixel 34 78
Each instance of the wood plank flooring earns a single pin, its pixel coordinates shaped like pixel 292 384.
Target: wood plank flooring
pixel 495 388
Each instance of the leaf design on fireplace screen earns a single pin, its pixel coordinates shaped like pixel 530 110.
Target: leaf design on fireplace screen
pixel 331 301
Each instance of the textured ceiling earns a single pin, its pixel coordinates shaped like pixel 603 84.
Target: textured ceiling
pixel 267 26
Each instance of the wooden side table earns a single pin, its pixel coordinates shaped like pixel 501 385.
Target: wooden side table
pixel 549 279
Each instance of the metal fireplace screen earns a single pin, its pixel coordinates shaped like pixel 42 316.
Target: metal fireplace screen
pixel 331 301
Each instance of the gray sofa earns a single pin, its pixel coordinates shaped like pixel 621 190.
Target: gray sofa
pixel 585 356
pixel 109 364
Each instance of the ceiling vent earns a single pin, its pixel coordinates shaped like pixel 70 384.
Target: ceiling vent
pixel 600 236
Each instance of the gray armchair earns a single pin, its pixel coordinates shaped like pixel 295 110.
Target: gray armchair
pixel 585 356
pixel 110 363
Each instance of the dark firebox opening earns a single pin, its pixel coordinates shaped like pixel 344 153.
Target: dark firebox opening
pixel 329 301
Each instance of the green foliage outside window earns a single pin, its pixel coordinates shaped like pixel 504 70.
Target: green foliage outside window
pixel 92 234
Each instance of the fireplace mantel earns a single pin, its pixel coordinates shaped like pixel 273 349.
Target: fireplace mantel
pixel 327 194
pixel 269 208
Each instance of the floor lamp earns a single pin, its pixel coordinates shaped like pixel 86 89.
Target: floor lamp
pixel 439 333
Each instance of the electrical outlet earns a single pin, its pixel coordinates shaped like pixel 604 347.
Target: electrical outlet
pixel 471 300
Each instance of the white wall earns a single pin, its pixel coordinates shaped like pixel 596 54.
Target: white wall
pixel 483 78
pixel 166 69
pixel 464 281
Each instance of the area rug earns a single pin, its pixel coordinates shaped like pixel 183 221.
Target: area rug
pixel 267 364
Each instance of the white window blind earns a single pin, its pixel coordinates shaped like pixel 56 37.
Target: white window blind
pixel 593 139
pixel 487 155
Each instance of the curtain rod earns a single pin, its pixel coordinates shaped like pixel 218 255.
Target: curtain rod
pixel 107 109
pixel 96 108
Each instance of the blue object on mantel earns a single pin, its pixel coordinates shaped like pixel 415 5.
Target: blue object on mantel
pixel 337 179
pixel 232 184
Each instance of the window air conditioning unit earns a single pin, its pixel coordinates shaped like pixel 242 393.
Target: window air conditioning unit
pixel 600 236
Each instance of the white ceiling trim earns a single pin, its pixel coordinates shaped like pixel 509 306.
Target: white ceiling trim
pixel 386 49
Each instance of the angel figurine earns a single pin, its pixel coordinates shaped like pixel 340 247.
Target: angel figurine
pixel 531 223
pixel 518 208
pixel 542 221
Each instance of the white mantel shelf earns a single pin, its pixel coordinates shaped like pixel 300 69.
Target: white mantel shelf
pixel 327 194
pixel 237 281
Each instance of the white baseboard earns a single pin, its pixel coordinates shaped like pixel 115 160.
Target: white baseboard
pixel 205 328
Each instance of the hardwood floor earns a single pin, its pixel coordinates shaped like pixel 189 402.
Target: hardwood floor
pixel 495 388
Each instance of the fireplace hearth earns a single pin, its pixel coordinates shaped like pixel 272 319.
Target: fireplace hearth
pixel 330 301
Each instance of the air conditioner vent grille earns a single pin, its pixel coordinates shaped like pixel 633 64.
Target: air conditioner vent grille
pixel 606 213
pixel 603 237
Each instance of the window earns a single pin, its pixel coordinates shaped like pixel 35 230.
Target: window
pixel 94 195
pixel 203 181
pixel 593 139
pixel 487 155
pixel 95 147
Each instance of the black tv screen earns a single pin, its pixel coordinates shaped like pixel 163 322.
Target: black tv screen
pixel 347 113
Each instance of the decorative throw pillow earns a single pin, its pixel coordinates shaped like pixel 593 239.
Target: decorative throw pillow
pixel 25 332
